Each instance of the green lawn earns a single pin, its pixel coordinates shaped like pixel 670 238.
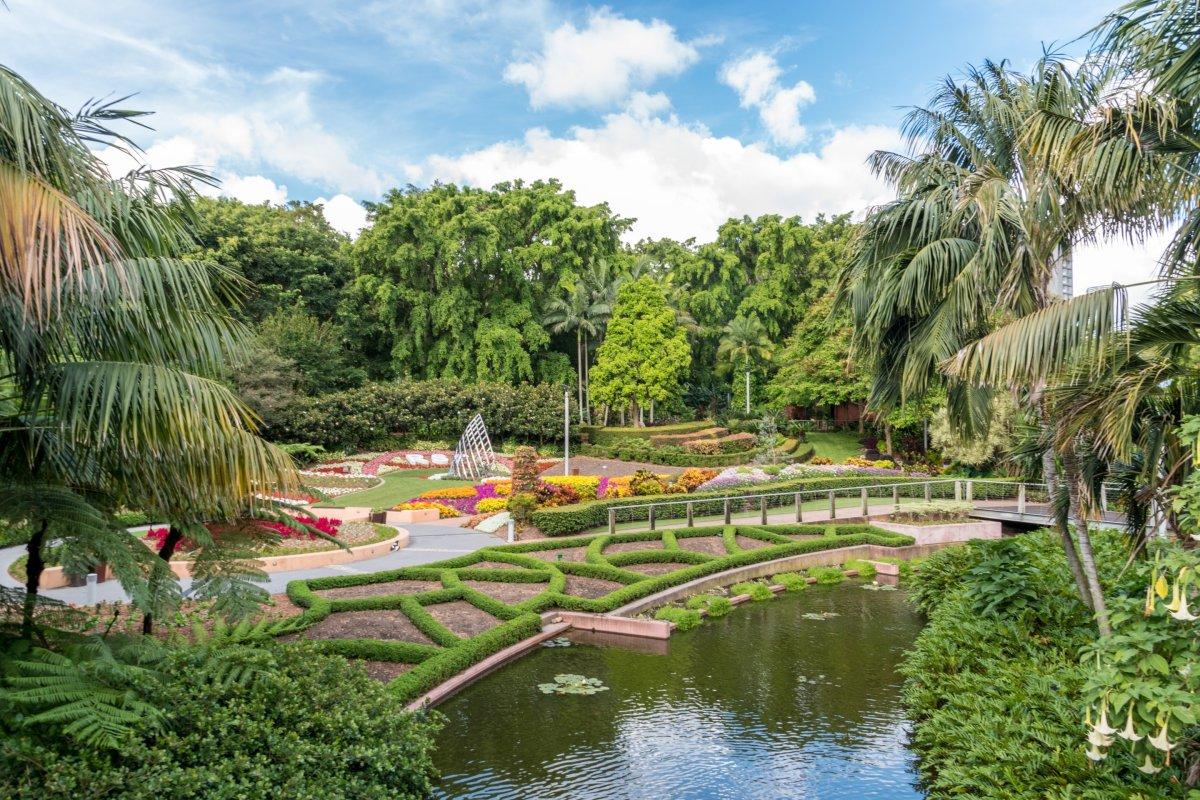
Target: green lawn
pixel 397 487
pixel 837 445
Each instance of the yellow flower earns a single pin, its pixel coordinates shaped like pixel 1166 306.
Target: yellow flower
pixel 1160 587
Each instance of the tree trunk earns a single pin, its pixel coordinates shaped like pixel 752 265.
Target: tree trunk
pixel 651 410
pixel 174 536
pixel 747 392
pixel 1062 525
pixel 587 381
pixel 887 436
pixel 1079 506
pixel 579 370
pixel 33 577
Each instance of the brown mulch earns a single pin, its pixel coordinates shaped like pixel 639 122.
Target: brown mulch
pixel 379 589
pixel 462 619
pixel 282 606
pixel 590 588
pixel 492 565
pixel 568 554
pixel 507 592
pixel 710 545
pixel 657 567
pixel 750 543
pixel 385 670
pixel 632 547
pixel 587 465
pixel 390 625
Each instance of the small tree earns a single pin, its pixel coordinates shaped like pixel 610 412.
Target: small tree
pixel 524 470
pixel 645 355
pixel 768 432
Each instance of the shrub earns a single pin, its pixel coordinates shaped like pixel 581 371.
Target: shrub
pixel 304 453
pixel 444 511
pixel 820 460
pixel 552 495
pixel 791 581
pixel 524 470
pixel 297 724
pixel 689 479
pixel 615 435
pixel 865 569
pixel 684 619
pixel 704 447
pixel 585 486
pixel 758 591
pixel 644 482
pixel 448 493
pixel 491 505
pixel 826 575
pixel 714 605
pixel 522 506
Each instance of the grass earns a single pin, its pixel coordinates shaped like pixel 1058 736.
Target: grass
pixel 837 445
pixel 397 487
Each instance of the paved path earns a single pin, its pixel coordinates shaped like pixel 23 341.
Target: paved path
pixel 427 543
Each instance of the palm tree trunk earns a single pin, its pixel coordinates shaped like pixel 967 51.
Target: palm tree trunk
pixel 587 382
pixel 747 392
pixel 174 536
pixel 1062 525
pixel 1079 510
pixel 887 436
pixel 34 567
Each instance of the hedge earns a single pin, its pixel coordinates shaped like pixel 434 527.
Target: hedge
pixel 435 664
pixel 612 435
pixel 565 520
pixel 379 414
pixel 679 458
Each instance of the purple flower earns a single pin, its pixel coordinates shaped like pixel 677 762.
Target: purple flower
pixel 602 487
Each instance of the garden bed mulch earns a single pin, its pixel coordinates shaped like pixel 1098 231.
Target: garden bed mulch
pixel 462 619
pixel 657 567
pixel 632 547
pixel 507 592
pixel 384 670
pixel 750 543
pixel 378 589
pixel 709 545
pixel 493 565
pixel 568 554
pixel 389 625
pixel 590 588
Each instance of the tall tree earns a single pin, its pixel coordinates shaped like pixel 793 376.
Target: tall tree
pixel 645 354
pixel 744 345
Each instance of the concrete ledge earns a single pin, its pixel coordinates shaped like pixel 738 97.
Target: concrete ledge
pixel 53 577
pixel 347 514
pixel 625 626
pixel 412 515
pixel 462 680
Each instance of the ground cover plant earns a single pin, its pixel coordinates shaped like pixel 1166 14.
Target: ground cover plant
pixel 441 618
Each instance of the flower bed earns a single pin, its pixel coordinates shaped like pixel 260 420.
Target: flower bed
pixel 289 536
pixel 443 654
pixel 445 510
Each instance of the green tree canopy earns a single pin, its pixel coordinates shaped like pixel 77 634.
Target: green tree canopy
pixel 450 281
pixel 815 366
pixel 645 355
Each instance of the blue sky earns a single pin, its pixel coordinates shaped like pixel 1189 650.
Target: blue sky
pixel 678 113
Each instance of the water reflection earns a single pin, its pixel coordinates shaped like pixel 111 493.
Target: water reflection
pixel 761 704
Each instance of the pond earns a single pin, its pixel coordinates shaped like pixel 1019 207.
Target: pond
pixel 763 703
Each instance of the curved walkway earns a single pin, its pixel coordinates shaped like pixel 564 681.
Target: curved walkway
pixel 427 543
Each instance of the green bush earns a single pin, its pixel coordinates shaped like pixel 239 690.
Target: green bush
pixel 758 591
pixel 613 435
pixel 566 520
pixel 521 507
pixel 865 569
pixel 826 576
pixel 684 619
pixel 302 725
pixel 997 699
pixel 714 605
pixel 381 414
pixel 791 581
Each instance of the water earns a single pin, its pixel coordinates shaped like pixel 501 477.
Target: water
pixel 760 704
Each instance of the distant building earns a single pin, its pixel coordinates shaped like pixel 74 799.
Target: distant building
pixel 1062 277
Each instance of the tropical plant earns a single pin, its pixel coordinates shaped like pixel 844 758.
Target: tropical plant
pixel 744 345
pixel 576 311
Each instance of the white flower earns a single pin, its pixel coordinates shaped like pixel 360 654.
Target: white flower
pixel 1148 767
pixel 1102 727
pixel 1095 755
pixel 1128 733
pixel 1160 741
pixel 1098 739
pixel 1182 612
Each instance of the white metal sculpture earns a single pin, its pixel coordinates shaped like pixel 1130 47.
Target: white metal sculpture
pixel 474 457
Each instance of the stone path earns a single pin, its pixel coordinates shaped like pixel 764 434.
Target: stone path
pixel 427 543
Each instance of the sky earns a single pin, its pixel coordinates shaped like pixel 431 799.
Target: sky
pixel 679 114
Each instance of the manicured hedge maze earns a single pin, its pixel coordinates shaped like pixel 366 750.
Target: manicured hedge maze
pixel 437 653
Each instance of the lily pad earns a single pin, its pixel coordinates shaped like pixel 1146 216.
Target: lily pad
pixel 820 615
pixel 557 641
pixel 878 587
pixel 573 684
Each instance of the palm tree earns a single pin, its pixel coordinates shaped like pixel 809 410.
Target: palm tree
pixel 112 345
pixel 745 344
pixel 574 312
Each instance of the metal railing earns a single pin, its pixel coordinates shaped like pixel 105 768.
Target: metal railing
pixel 961 489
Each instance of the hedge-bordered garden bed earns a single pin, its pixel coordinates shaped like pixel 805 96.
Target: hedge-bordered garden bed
pixel 440 653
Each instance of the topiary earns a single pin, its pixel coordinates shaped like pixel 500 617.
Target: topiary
pixel 524 470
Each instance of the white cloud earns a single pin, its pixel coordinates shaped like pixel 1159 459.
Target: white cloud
pixel 344 214
pixel 679 180
pixel 599 64
pixel 644 106
pixel 254 189
pixel 756 80
pixel 1119 261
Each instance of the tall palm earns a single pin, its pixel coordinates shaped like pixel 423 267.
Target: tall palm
pixel 111 345
pixel 574 312
pixel 744 344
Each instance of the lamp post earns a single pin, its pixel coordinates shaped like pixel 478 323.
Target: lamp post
pixel 566 431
